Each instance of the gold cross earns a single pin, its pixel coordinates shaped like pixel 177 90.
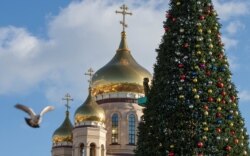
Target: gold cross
pixel 124 13
pixel 67 98
pixel 90 74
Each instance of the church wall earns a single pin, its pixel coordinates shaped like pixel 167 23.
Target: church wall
pixel 88 135
pixel 62 151
pixel 123 110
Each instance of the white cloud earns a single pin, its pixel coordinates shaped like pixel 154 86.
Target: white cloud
pixel 229 42
pixel 233 62
pixel 234 27
pixel 231 8
pixel 244 95
pixel 84 34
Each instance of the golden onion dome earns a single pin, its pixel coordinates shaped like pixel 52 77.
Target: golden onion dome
pixel 89 111
pixel 64 132
pixel 121 74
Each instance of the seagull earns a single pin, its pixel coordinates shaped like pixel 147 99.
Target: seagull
pixel 34 119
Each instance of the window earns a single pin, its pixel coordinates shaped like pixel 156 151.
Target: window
pixel 92 149
pixel 102 150
pixel 114 139
pixel 82 153
pixel 131 129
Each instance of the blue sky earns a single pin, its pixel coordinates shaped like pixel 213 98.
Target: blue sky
pixel 46 46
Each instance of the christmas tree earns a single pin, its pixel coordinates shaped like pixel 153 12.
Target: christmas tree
pixel 192 105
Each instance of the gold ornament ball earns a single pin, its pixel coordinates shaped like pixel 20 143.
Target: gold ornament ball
pixel 200 30
pixel 198 52
pixel 215 28
pixel 178 3
pixel 231 124
pixel 197 67
pixel 226 139
pixel 204 137
pixel 210 91
pixel 197 96
pixel 242 137
pixel 206 113
pixel 245 152
pixel 204 123
pixel 211 46
pixel 195 80
pixel 209 31
pixel 182 30
pixel 197 46
pixel 181 96
pixel 218 99
pixel 171 146
pixel 194 90
pixel 199 24
pixel 206 129
pixel 219 108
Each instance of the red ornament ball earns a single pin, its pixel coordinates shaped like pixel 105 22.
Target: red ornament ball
pixel 218 130
pixel 236 141
pixel 186 45
pixel 182 77
pixel 168 15
pixel 171 154
pixel 206 107
pixel 220 84
pixel 223 101
pixel 202 17
pixel 233 98
pixel 218 115
pixel 166 29
pixel 208 73
pixel 200 154
pixel 228 148
pixel 210 99
pixel 232 132
pixel 200 144
pixel 180 65
pixel 223 93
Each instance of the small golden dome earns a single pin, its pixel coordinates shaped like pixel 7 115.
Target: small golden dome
pixel 121 74
pixel 89 111
pixel 64 132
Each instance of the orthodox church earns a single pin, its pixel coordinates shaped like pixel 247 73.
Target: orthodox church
pixel 106 123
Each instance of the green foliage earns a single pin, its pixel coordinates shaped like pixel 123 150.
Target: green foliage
pixel 192 106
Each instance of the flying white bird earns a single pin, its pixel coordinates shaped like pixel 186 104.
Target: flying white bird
pixel 34 119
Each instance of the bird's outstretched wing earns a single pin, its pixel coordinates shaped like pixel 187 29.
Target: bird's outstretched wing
pixel 25 109
pixel 46 109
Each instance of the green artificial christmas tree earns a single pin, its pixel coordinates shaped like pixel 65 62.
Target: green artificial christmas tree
pixel 192 105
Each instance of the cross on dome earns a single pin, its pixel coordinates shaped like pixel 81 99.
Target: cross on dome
pixel 67 99
pixel 90 73
pixel 124 12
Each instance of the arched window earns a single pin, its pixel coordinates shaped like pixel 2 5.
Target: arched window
pixel 131 129
pixel 81 150
pixel 92 149
pixel 102 150
pixel 114 137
